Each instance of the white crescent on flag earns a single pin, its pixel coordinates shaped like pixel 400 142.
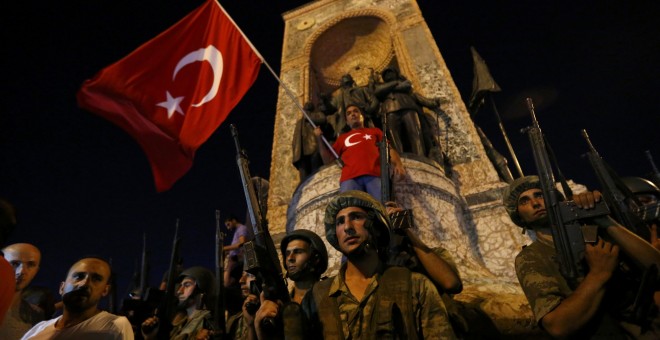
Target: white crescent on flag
pixel 170 145
pixel 214 57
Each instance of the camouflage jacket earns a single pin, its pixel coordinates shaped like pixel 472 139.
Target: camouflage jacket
pixel 364 319
pixel 187 328
pixel 545 288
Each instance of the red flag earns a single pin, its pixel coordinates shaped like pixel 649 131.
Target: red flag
pixel 171 93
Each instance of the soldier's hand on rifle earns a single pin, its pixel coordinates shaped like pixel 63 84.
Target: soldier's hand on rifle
pixel 391 207
pixel 250 299
pixel 602 259
pixel 149 327
pixel 269 309
pixel 587 200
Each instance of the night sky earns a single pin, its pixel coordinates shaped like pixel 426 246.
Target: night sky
pixel 83 186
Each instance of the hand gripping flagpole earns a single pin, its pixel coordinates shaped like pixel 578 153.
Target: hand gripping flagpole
pixel 286 88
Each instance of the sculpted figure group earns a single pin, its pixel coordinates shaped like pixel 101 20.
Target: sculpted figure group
pixel 390 100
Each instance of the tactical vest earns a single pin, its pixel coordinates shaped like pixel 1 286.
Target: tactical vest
pixel 393 309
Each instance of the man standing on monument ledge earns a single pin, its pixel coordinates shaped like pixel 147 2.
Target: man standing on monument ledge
pixel 358 149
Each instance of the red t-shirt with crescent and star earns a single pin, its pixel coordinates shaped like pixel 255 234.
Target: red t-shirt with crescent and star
pixel 358 150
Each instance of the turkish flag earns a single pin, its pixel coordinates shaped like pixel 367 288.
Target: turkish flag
pixel 171 93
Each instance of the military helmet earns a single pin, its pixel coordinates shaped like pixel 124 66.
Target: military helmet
pixel 202 276
pixel 640 186
pixel 378 223
pixel 315 243
pixel 511 194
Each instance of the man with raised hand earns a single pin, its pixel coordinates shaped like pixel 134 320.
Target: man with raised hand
pixel 358 149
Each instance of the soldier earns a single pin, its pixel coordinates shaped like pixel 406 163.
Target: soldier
pixel 648 196
pixel 305 259
pixel 561 308
pixel 195 296
pixel 241 324
pixel 408 250
pixel 367 299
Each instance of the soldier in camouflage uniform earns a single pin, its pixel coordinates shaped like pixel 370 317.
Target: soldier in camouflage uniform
pixel 368 300
pixel 560 309
pixel 305 259
pixel 193 317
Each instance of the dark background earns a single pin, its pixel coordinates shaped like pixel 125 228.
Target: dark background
pixel 83 186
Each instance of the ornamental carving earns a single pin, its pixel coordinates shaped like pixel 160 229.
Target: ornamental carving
pixel 351 43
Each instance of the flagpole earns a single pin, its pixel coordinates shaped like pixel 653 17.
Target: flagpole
pixel 295 101
pixel 506 137
pixel 286 88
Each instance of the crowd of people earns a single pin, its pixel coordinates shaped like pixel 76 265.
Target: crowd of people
pixel 390 284
pixel 375 294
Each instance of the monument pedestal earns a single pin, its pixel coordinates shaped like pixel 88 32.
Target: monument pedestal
pixel 482 242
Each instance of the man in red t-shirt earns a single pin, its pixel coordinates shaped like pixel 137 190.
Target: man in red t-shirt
pixel 358 149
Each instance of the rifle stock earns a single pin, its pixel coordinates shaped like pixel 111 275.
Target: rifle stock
pixel 563 216
pixel 260 255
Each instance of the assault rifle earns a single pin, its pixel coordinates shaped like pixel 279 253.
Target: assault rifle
pixel 564 216
pixel 143 267
pixel 219 312
pixel 166 309
pixel 260 255
pixel 618 197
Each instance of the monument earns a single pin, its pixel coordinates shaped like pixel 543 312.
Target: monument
pixel 459 207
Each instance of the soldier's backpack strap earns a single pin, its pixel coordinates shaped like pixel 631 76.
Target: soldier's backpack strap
pixel 394 315
pixel 327 310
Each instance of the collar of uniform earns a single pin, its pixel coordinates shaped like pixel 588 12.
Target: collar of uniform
pixel 179 321
pixel 339 283
pixel 544 236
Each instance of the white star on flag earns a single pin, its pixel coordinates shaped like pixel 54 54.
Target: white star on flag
pixel 171 104
pixel 367 137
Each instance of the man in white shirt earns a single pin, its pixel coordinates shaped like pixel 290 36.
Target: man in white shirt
pixel 86 283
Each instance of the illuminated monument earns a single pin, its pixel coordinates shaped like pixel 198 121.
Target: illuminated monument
pixel 461 212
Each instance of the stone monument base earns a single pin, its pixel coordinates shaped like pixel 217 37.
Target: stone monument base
pixel 478 237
